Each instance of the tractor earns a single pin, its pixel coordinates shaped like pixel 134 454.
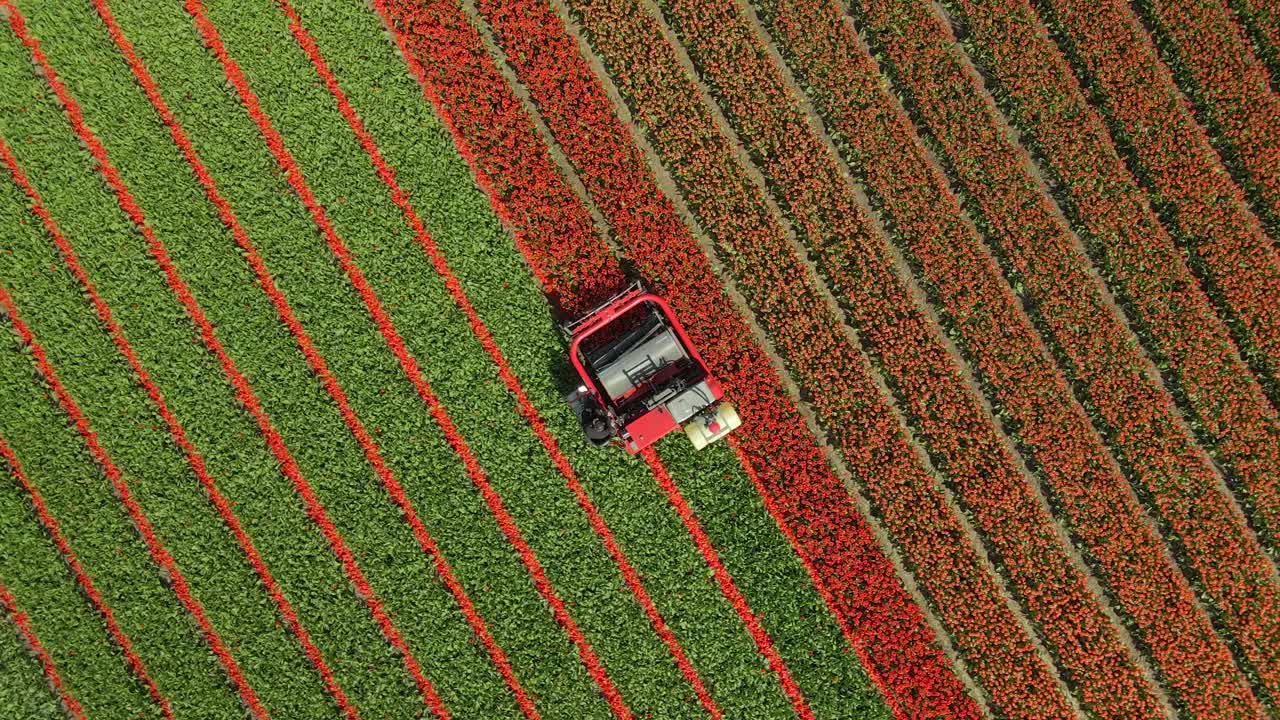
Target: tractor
pixel 640 377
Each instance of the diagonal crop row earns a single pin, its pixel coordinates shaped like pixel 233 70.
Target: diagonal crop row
pixel 727 585
pixel 161 333
pixel 544 212
pixel 855 260
pixel 91 519
pixel 23 685
pixel 1055 279
pixel 86 584
pixel 388 178
pixel 22 623
pixel 432 475
pixel 700 483
pixel 155 546
pixel 498 140
pixel 1172 157
pixel 152 534
pixel 37 501
pixel 308 274
pixel 408 362
pixel 1137 254
pixel 1214 61
pixel 503 292
pixel 194 459
pixel 725 581
pixel 691 191
pixel 211 552
pixel 1040 91
pixel 519 37
pixel 368 445
pixel 396 339
pixel 630 231
pixel 35 570
pixel 246 396
pixel 457 22
pixel 387 175
pixel 315 509
pixel 1084 483
pixel 1262 18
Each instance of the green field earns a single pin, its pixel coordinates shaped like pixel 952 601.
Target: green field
pixel 200 395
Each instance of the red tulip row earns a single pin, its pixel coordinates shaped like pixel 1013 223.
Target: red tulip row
pixel 1143 261
pixel 587 131
pixel 526 32
pixel 29 638
pixel 1231 86
pixel 853 255
pixel 1093 495
pixel 499 140
pixel 179 434
pixel 493 135
pixel 1173 157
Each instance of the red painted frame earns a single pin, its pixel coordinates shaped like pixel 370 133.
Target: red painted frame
pixel 655 424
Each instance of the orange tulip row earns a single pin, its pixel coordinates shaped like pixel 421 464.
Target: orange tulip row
pixel 1173 158
pixel 1262 19
pixel 1230 87
pixel 1054 431
pixel 830 371
pixel 852 254
pixel 1033 83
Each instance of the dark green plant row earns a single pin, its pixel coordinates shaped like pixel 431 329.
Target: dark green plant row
pixel 201 398
pixel 22 686
pixel 54 458
pixel 66 624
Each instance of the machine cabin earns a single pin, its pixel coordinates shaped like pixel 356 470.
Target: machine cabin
pixel 641 377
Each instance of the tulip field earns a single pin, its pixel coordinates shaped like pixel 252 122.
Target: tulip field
pixel 994 286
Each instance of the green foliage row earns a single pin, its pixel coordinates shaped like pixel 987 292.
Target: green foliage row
pixel 54 457
pixel 303 413
pixel 23 689
pixel 411 443
pixel 68 627
pixel 773 580
pixel 460 371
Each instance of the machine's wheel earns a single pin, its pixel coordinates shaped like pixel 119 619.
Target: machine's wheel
pixel 595 422
pixel 597 429
pixel 708 427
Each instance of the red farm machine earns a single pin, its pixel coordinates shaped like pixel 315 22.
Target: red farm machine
pixel 640 377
